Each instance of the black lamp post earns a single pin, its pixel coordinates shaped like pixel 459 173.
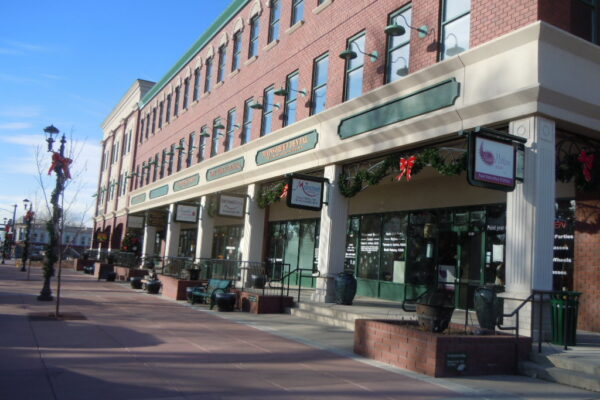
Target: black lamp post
pixel 60 165
pixel 28 219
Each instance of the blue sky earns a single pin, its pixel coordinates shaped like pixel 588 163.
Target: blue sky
pixel 67 63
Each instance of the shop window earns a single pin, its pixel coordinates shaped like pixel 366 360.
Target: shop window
pixel 267 113
pixel 222 63
pixel 355 68
pixel 226 242
pixel 456 26
pixel 197 80
pixel 187 243
pixel 229 134
pixel 319 89
pixel 291 99
pixel 247 125
pixel 254 36
pixel 584 19
pixel 208 76
pixel 398 55
pixel 297 11
pixel 274 20
pixel 237 51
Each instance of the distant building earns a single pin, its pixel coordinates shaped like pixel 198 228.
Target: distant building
pixel 76 238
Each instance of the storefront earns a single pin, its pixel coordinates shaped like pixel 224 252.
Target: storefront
pixel 226 242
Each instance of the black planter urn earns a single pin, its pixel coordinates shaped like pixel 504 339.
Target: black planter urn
pixel 434 311
pixel 153 287
pixel 345 288
pixel 135 282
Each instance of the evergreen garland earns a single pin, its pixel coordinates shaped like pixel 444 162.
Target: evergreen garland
pixel 349 187
pixel 270 196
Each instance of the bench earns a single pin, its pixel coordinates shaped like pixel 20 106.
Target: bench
pixel 214 286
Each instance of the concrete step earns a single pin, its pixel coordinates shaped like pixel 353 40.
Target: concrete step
pixel 571 361
pixel 340 323
pixel 563 376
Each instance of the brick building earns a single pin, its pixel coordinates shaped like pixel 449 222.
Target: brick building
pixel 371 96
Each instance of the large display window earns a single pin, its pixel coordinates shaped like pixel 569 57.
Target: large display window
pixel 226 242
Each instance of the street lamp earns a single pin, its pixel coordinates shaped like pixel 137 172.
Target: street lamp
pixel 28 218
pixel 60 165
pixel 8 237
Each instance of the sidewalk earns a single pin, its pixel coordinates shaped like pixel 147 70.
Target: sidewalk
pixel 118 343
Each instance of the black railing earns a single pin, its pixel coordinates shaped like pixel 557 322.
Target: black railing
pixel 298 273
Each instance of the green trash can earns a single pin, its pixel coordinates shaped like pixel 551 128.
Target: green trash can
pixel 565 306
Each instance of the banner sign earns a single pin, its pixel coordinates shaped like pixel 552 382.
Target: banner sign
pixel 185 213
pixel 226 169
pixel 231 206
pixel 159 192
pixel 140 198
pixel 299 144
pixel 305 191
pixel 186 183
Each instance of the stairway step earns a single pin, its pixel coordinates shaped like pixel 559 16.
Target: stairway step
pixel 568 361
pixel 341 323
pixel 563 376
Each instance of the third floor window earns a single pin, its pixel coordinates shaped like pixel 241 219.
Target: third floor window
pixel 398 57
pixel 319 89
pixel 254 34
pixel 237 50
pixel 222 63
pixel 208 75
pixel 274 20
pixel 456 27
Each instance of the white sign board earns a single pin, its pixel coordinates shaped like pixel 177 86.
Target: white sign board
pixel 186 213
pixel 232 206
pixel 494 162
pixel 305 193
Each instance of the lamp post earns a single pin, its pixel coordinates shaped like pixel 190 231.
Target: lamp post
pixel 8 236
pixel 4 241
pixel 28 218
pixel 60 165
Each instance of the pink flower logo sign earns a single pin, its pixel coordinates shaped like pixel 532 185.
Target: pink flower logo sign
pixel 494 162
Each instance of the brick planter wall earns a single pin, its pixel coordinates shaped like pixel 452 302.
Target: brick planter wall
pixel 261 304
pixel 174 288
pixel 124 273
pixel 101 269
pixel 402 344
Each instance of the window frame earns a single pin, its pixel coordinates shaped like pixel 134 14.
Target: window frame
pixel 274 21
pixel 189 161
pixel 253 45
pixel 197 81
pixel 348 65
pixel 445 22
pixel 291 98
pixel 316 86
pixel 389 74
pixel 214 145
pixel 202 144
pixel 176 102
pixel 246 132
pixel 230 130
pixel 186 94
pixel 208 75
pixel 222 63
pixel 237 51
pixel 180 154
pixel 168 109
pixel 296 4
pixel 267 111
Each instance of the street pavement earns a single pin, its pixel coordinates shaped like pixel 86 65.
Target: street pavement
pixel 114 342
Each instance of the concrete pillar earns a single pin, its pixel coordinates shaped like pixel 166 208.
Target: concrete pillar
pixel 530 218
pixel 251 244
pixel 173 230
pixel 332 237
pixel 206 226
pixel 149 238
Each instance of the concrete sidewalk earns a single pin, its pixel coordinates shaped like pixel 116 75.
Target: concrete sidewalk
pixel 118 343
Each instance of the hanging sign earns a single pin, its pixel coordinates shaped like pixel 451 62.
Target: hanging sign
pixel 305 191
pixel 135 221
pixel 185 213
pixel 492 159
pixel 231 206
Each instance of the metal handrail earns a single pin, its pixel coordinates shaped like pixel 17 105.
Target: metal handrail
pixel 314 274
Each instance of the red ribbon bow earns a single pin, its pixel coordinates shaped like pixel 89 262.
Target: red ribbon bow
pixel 406 166
pixel 588 161
pixel 60 162
pixel 285 192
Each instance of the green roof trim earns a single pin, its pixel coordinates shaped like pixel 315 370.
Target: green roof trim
pixel 206 37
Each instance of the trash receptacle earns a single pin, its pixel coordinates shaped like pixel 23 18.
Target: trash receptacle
pixel 564 306
pixel 488 306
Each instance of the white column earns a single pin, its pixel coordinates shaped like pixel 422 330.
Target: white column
pixel 332 237
pixel 149 238
pixel 206 225
pixel 254 227
pixel 173 229
pixel 530 217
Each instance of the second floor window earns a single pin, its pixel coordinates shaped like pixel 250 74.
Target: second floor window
pixel 254 33
pixel 247 125
pixel 297 11
pixel 190 150
pixel 319 90
pixel 171 155
pixel 237 50
pixel 398 56
pixel 180 151
pixel 197 78
pixel 291 99
pixel 229 135
pixel 456 27
pixel 355 68
pixel 155 167
pixel 217 128
pixel 186 93
pixel 222 63
pixel 176 105
pixel 163 163
pixel 585 19
pixel 267 115
pixel 274 20
pixel 168 110
pixel 208 76
pixel 204 135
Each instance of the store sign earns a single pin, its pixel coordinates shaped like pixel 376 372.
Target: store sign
pixel 223 170
pixel 186 183
pixel 492 161
pixel 564 243
pixel 185 213
pixel 231 206
pixel 135 222
pixel 159 192
pixel 299 144
pixel 140 198
pixel 306 192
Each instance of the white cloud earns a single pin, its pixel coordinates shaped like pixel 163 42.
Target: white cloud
pixel 20 112
pixel 24 140
pixel 15 126
pixel 53 77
